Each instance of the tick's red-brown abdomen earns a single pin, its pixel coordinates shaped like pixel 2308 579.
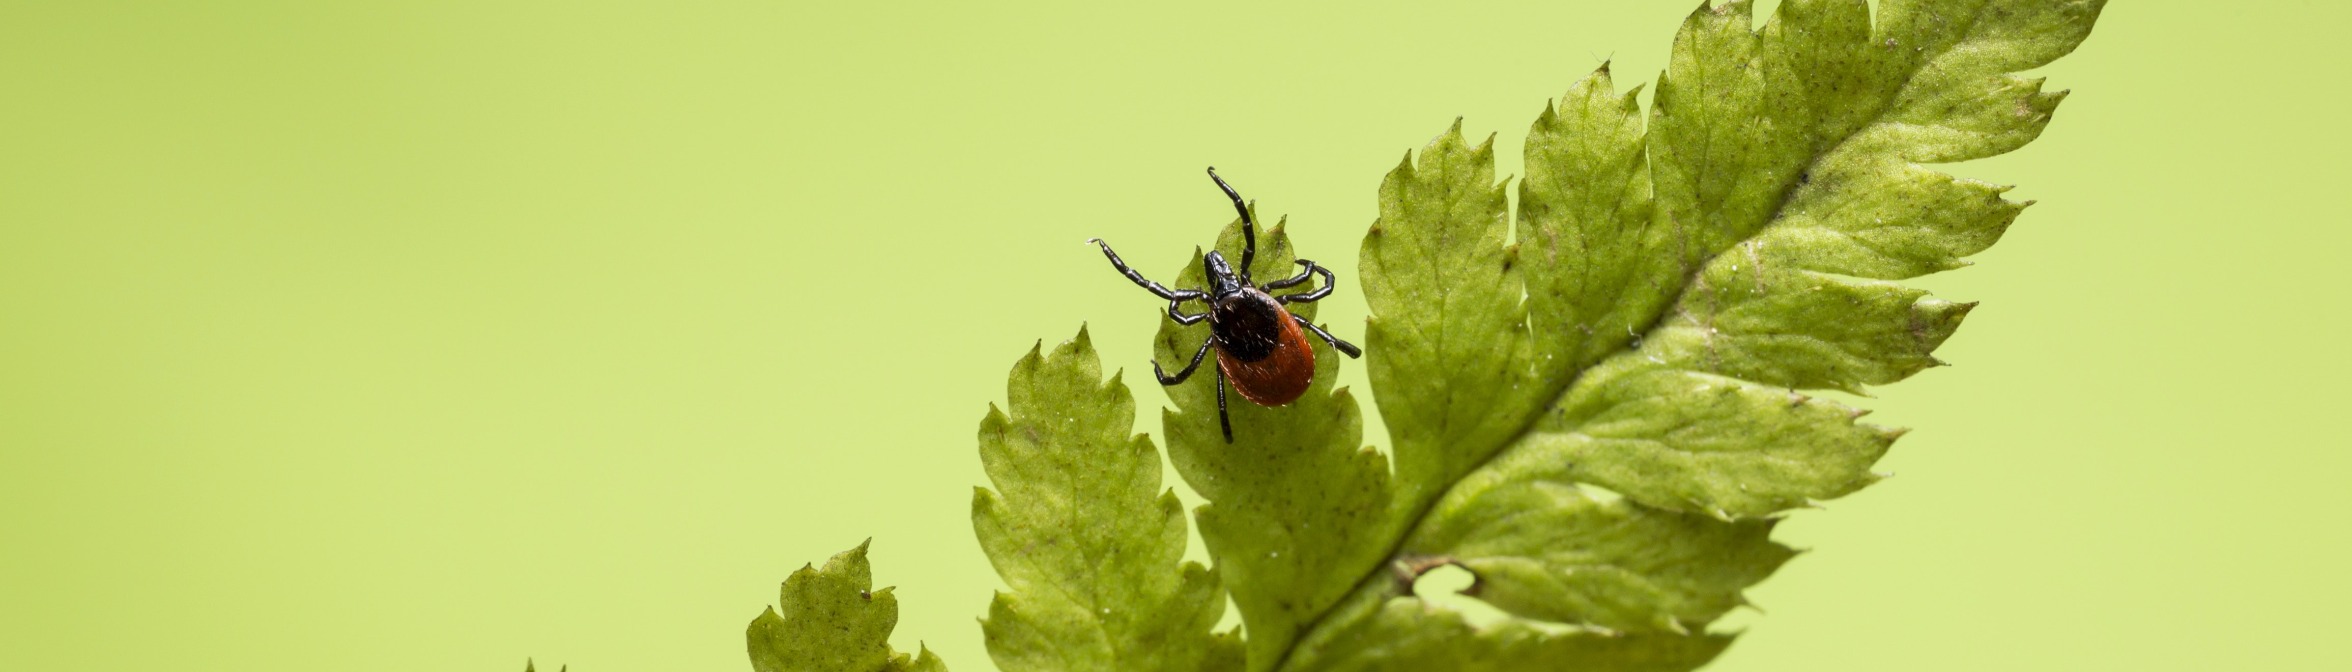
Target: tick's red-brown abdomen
pixel 1277 378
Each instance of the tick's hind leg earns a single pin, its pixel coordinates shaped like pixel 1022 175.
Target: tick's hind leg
pixel 1166 379
pixel 1293 281
pixel 1342 346
pixel 1224 421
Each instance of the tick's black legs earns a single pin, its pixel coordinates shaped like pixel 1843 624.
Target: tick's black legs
pixel 1249 227
pixel 1343 346
pixel 1224 285
pixel 1176 313
pixel 1304 297
pixel 1153 287
pixel 1293 281
pixel 1166 379
pixel 1224 421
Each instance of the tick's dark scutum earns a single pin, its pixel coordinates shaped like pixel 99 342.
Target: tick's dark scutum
pixel 1248 325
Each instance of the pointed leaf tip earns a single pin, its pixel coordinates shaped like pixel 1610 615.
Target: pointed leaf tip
pixel 828 620
pixel 1075 526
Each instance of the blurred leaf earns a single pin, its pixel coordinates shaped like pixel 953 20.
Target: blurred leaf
pixel 833 621
pixel 1085 534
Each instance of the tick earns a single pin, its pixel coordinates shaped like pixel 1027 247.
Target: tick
pixel 1259 343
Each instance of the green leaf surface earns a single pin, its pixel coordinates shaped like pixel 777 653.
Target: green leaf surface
pixel 1683 285
pixel 1555 552
pixel 832 620
pixel 1784 169
pixel 1084 533
pixel 1447 342
pixel 1584 229
pixel 1692 441
pixel 1297 504
pixel 1406 633
pixel 1599 407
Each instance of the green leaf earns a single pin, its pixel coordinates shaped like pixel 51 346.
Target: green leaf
pixel 1405 633
pixel 1296 503
pixel 1552 551
pixel 1447 342
pixel 1596 407
pixel 1681 286
pixel 1083 532
pixel 1694 441
pixel 832 620
pixel 1584 230
pixel 1782 165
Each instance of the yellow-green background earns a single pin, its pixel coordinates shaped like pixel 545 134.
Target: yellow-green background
pixel 435 335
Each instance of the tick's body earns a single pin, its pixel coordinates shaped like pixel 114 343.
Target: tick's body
pixel 1262 347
